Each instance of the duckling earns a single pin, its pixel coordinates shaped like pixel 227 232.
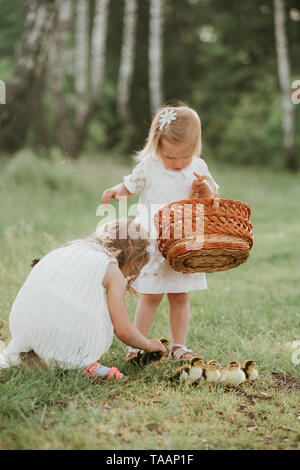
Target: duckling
pixel 211 372
pixel 191 373
pixel 250 370
pixel 142 358
pixel 233 375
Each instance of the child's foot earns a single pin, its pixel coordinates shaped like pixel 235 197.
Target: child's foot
pixel 98 370
pixel 179 352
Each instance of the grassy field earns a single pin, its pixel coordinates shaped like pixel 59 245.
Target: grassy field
pixel 249 312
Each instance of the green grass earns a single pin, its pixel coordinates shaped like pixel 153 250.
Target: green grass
pixel 248 312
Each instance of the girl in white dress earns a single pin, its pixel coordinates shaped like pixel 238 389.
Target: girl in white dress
pixel 73 301
pixel 169 167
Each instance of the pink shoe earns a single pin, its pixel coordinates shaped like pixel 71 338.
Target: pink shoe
pixel 112 372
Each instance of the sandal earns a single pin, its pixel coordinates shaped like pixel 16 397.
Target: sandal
pixel 179 352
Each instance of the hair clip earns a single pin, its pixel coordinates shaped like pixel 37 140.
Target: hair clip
pixel 166 118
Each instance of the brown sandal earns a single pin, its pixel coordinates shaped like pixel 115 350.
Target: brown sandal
pixel 179 352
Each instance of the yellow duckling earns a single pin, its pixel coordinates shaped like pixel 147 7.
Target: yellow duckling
pixel 250 370
pixel 211 372
pixel 233 375
pixel 191 373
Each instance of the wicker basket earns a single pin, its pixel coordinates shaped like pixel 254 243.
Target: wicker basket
pixel 225 236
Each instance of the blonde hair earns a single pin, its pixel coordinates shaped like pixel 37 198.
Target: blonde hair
pixel 130 251
pixel 187 126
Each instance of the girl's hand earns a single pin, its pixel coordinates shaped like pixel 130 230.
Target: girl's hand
pixel 115 193
pixel 200 188
pixel 108 194
pixel 155 345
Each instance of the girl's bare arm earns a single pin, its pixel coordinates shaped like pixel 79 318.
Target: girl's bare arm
pixel 115 192
pixel 115 285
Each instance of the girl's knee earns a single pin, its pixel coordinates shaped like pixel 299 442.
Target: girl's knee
pixel 181 298
pixel 153 299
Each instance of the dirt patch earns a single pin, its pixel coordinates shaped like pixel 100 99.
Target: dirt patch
pixel 285 382
pixel 253 397
pixel 245 411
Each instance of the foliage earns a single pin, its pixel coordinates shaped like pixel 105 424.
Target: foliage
pixel 52 172
pixel 11 26
pixel 220 59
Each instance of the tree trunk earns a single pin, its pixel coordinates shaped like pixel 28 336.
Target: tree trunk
pixel 30 61
pixel 37 112
pixel 81 58
pixel 2 92
pixel 127 60
pixel 288 119
pixel 155 54
pixel 66 134
pixel 98 46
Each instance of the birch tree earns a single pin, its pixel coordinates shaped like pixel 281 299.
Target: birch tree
pixel 65 131
pixel 98 46
pixel 283 64
pixel 81 57
pixel 30 61
pixel 155 53
pixel 127 59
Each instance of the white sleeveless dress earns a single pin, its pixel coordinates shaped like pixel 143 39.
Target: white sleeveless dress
pixel 61 311
pixel 159 186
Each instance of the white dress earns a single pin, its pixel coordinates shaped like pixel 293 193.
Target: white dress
pixel 61 311
pixel 160 186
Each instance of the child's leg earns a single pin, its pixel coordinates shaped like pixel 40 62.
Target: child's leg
pixel 145 312
pixel 179 322
pixel 179 316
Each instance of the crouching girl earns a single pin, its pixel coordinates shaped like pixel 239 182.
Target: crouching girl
pixel 73 301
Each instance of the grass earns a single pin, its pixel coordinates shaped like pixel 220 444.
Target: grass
pixel 248 312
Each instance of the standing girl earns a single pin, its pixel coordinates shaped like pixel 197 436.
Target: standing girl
pixel 169 167
pixel 73 301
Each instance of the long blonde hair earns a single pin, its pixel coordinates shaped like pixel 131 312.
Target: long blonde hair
pixel 129 250
pixel 186 127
